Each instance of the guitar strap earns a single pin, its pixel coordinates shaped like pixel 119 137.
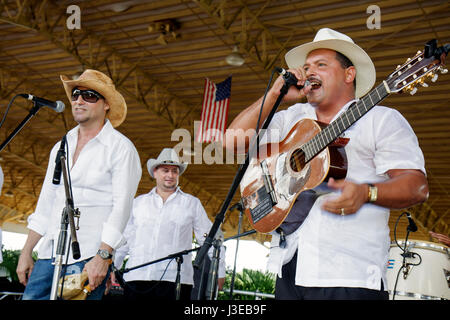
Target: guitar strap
pixel 297 215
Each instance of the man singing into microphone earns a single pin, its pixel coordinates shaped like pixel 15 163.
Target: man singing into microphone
pixel 105 170
pixel 338 239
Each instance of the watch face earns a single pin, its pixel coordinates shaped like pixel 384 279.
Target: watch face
pixel 103 253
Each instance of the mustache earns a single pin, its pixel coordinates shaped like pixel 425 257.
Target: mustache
pixel 79 106
pixel 313 82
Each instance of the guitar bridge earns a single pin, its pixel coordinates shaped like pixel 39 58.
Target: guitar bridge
pixel 268 182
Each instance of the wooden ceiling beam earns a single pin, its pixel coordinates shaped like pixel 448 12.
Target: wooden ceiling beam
pixel 100 54
pixel 254 47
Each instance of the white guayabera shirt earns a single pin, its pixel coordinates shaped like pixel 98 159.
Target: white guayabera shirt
pixel 104 182
pixel 158 229
pixel 351 250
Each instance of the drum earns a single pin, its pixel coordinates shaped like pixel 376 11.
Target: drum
pixel 428 275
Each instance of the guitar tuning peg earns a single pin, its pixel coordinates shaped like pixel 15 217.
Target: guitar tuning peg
pixel 435 77
pixel 413 91
pixel 398 67
pixel 443 70
pixel 423 84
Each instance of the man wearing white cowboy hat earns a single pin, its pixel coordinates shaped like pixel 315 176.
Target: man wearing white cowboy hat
pixel 105 170
pixel 162 223
pixel 337 244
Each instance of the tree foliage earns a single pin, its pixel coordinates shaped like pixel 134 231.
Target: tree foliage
pixel 248 280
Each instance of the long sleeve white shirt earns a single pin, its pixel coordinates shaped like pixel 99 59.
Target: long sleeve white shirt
pixel 352 250
pixel 157 229
pixel 104 179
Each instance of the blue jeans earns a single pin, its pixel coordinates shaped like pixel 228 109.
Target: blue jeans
pixel 39 284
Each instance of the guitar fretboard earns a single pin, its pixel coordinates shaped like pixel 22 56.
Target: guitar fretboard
pixel 343 122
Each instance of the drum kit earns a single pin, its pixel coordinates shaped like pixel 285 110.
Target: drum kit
pixel 418 270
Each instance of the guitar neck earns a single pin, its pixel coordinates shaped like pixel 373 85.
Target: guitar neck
pixel 344 121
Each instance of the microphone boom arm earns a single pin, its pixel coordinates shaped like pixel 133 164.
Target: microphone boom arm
pixel 30 114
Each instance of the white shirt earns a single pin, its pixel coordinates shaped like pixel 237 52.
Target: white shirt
pixel 350 251
pixel 157 229
pixel 104 182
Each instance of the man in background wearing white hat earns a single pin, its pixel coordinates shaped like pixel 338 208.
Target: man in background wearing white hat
pixel 105 171
pixel 162 223
pixel 338 248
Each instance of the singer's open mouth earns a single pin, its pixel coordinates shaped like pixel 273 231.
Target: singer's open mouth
pixel 315 83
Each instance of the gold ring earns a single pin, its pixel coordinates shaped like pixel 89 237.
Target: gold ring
pixel 342 212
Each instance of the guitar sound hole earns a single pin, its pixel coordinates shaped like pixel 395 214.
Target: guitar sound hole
pixel 297 160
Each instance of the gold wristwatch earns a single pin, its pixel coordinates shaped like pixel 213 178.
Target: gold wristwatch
pixel 373 193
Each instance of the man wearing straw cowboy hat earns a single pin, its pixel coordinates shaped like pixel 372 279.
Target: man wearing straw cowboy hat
pixel 336 244
pixel 105 170
pixel 162 223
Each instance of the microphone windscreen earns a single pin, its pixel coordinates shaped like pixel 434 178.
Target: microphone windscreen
pixel 59 106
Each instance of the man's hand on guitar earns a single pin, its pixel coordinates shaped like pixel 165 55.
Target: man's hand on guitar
pixel 352 197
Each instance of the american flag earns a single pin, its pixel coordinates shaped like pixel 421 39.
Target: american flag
pixel 216 100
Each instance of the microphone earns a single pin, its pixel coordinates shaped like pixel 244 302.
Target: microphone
pixel 290 78
pixel 58 169
pixel 412 225
pixel 58 106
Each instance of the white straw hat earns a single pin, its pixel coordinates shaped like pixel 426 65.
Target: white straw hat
pixel 167 156
pixel 330 39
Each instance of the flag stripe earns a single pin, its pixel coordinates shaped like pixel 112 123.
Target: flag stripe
pixel 211 111
pixel 223 119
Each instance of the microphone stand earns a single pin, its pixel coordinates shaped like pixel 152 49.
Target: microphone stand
pixel 238 177
pixel 31 113
pixel 406 253
pixel 238 206
pixel 67 218
pixel 211 287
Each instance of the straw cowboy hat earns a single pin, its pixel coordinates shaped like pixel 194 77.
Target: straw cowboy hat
pixel 330 39
pixel 101 83
pixel 168 157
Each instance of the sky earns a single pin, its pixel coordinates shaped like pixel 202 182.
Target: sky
pixel 250 255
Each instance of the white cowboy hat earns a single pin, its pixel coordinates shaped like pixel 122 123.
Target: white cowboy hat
pixel 103 84
pixel 330 39
pixel 167 156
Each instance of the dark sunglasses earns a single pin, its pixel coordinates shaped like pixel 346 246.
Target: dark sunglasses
pixel 90 96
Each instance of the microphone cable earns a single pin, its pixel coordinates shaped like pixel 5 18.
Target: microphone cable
pixel 7 109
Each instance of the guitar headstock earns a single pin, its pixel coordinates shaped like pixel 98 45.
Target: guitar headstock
pixel 418 69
